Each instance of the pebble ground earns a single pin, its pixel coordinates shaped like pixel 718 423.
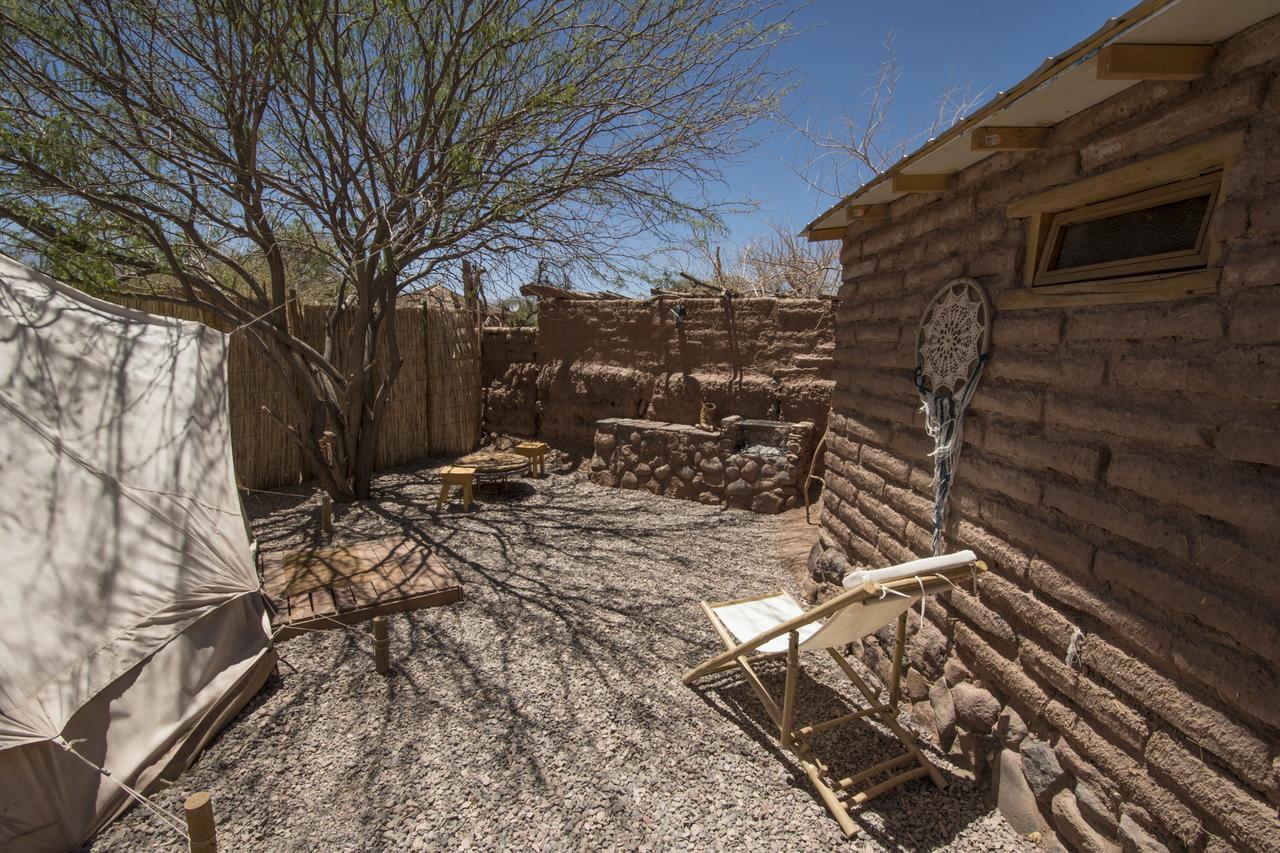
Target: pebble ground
pixel 545 710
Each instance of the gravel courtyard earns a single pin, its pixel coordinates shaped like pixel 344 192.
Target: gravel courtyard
pixel 544 711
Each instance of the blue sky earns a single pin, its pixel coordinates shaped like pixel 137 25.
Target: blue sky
pixel 986 44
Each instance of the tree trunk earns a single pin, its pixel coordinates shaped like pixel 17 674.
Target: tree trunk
pixel 336 420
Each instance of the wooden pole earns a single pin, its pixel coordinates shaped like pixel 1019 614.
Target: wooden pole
pixel 294 313
pixel 201 833
pixel 381 645
pixel 789 696
pixel 895 677
pixel 326 514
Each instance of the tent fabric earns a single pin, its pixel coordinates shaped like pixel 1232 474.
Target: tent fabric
pixel 130 618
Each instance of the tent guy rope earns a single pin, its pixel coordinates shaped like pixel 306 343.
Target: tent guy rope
pixel 172 822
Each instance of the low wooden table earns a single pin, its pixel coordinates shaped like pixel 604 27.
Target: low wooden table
pixel 319 587
pixel 494 464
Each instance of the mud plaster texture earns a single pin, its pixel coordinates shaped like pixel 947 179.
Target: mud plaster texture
pixel 545 710
pixel 1121 476
pixel 617 358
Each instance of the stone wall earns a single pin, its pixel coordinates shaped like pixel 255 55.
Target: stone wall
pixel 746 464
pixel 1117 674
pixel 594 359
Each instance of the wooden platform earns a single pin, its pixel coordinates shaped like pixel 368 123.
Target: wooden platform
pixel 353 583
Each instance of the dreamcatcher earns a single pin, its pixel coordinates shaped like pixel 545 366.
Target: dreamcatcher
pixel 952 345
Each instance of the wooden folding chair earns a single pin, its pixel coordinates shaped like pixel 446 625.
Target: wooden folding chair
pixel 775 626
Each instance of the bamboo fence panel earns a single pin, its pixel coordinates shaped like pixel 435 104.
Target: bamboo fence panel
pixel 453 351
pixel 434 408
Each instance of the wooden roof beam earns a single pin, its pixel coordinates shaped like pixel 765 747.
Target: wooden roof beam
pixel 1008 138
pixel 821 235
pixel 921 183
pixel 1154 61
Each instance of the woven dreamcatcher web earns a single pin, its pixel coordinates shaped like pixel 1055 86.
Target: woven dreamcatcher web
pixel 952 345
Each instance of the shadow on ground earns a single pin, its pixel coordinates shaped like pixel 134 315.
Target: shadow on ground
pixel 545 710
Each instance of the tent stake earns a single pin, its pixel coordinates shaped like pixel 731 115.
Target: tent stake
pixel 200 829
pixel 381 645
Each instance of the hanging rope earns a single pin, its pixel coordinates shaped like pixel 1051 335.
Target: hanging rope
pixel 944 423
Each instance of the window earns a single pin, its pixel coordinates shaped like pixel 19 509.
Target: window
pixel 1158 230
pixel 1139 233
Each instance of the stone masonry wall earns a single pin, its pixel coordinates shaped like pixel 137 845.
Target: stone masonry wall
pixel 1118 673
pixel 755 465
pixel 595 359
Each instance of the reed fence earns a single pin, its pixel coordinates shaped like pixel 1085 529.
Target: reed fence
pixel 435 405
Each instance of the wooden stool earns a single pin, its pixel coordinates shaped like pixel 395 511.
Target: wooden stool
pixel 536 453
pixel 454 476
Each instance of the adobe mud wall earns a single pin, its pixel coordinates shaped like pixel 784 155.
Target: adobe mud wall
pixel 509 376
pixel 1118 674
pixel 594 359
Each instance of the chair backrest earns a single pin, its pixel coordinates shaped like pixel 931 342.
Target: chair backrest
pixel 911 568
pixel 861 617
pixel 859 611
pixel 852 623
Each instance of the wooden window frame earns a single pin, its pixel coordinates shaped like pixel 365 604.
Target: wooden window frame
pixel 1178 174
pixel 1195 258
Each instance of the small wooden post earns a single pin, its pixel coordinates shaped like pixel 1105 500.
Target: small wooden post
pixel 326 514
pixel 789 694
pixel 381 645
pixel 294 313
pixel 200 829
pixel 895 678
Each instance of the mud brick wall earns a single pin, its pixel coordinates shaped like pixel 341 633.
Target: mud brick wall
pixel 595 359
pixel 1118 675
pixel 510 379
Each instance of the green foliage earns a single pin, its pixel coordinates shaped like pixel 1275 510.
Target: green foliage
pixel 238 150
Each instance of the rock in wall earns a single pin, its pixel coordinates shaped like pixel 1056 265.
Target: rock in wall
pixel 722 467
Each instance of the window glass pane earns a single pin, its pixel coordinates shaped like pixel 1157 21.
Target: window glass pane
pixel 1171 227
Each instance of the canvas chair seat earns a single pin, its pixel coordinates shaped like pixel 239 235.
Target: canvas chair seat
pixel 774 626
pixel 747 619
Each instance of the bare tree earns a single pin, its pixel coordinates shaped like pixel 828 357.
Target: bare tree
pixel 854 147
pixel 182 138
pixel 777 263
pixel 859 144
pixel 782 263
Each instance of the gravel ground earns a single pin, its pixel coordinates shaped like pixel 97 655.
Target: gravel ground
pixel 545 710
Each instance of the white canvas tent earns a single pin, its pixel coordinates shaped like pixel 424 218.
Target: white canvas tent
pixel 131 626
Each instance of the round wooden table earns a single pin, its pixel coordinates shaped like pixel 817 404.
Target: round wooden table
pixel 494 464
